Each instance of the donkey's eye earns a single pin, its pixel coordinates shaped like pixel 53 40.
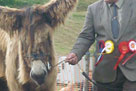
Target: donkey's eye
pixel 34 55
pixel 41 52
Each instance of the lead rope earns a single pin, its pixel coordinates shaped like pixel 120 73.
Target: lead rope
pixel 96 84
pixel 87 77
pixel 58 63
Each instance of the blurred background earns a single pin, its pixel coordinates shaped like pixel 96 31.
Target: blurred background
pixel 69 77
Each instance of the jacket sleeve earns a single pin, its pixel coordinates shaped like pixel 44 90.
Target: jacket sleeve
pixel 86 38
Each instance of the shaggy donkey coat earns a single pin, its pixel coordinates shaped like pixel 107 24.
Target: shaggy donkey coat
pixel 26 45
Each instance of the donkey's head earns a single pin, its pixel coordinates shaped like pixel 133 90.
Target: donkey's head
pixel 37 46
pixel 40 57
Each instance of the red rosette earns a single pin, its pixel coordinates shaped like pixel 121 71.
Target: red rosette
pixel 132 48
pixel 132 45
pixel 123 48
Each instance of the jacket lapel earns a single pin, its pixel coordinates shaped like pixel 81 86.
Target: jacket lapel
pixel 106 18
pixel 125 16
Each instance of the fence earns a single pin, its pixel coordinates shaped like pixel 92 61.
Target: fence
pixel 69 77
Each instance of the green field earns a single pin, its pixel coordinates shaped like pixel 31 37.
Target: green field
pixel 82 4
pixel 66 34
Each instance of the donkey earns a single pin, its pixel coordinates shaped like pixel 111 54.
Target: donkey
pixel 26 45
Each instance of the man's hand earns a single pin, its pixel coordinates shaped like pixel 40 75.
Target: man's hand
pixel 72 59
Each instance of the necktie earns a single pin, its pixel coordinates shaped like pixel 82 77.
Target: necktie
pixel 114 22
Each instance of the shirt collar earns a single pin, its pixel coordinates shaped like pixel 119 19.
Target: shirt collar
pixel 118 3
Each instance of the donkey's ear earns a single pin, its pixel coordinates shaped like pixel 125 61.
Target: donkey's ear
pixel 55 12
pixel 10 19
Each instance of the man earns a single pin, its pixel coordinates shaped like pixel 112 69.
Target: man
pixel 113 20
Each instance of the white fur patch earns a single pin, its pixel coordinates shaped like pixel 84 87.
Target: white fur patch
pixel 38 67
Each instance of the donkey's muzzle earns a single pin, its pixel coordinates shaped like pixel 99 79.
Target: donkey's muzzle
pixel 38 78
pixel 39 72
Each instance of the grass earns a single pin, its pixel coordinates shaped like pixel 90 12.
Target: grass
pixel 21 3
pixel 82 4
pixel 66 35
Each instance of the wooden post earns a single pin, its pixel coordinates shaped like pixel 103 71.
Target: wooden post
pixel 87 63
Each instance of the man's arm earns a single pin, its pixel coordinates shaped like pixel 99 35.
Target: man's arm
pixel 85 39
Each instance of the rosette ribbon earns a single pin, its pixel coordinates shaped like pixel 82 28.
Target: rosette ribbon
pixel 104 48
pixel 132 48
pixel 123 48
